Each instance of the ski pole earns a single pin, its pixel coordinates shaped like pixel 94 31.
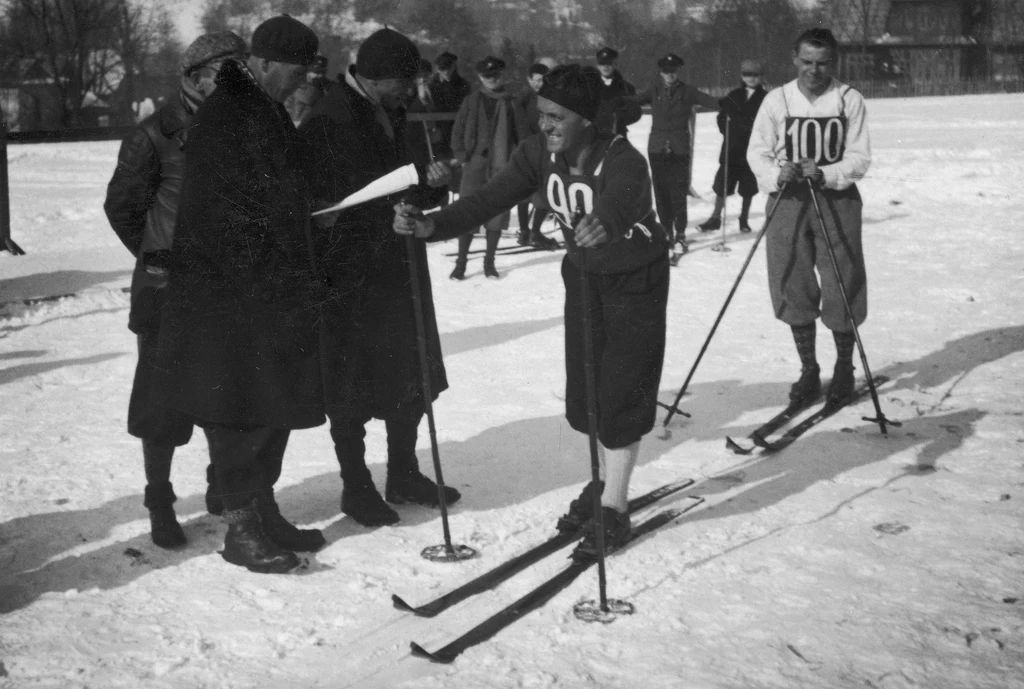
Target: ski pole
pixel 591 384
pixel 725 189
pixel 757 240
pixel 880 418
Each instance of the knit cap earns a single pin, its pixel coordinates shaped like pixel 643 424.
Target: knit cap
pixel 387 54
pixel 285 39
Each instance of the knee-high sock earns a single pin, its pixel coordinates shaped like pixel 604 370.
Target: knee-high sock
pixel 464 241
pixel 745 210
pixel 805 337
pixel 619 465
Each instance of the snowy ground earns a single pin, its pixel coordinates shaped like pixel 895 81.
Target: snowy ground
pixel 849 560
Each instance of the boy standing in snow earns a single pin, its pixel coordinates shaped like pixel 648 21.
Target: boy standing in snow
pixel 739 108
pixel 142 205
pixel 814 128
pixel 597 186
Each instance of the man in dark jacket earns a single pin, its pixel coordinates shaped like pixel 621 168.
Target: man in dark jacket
pixel 370 357
pixel 489 126
pixel 668 147
pixel 738 110
pixel 529 233
pixel 142 204
pixel 447 89
pixel 614 89
pixel 238 344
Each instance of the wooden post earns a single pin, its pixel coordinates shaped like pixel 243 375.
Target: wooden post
pixel 5 196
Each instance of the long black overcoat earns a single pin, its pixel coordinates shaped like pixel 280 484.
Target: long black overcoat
pixel 370 355
pixel 238 340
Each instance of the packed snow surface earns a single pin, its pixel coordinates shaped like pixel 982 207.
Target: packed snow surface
pixel 851 559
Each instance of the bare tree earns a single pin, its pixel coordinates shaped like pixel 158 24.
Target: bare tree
pixel 85 47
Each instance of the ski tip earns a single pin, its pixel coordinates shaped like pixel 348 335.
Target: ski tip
pixel 401 604
pixel 421 652
pixel 736 447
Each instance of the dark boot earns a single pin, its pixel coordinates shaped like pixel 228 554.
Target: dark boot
pixel 414 488
pixel 282 532
pixel 581 510
pixel 364 504
pixel 214 503
pixel 745 214
pixel 492 247
pixel 246 545
pixel 459 273
pixel 841 388
pixel 542 241
pixel 715 221
pixel 163 523
pixel 617 529
pixel 807 388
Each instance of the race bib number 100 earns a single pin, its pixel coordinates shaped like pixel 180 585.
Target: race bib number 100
pixel 822 139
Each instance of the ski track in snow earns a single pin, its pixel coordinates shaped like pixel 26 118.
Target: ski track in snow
pixel 848 560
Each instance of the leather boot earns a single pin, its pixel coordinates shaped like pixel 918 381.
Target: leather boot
pixel 214 503
pixel 617 529
pixel 281 531
pixel 416 489
pixel 363 503
pixel 246 545
pixel 581 510
pixel 163 523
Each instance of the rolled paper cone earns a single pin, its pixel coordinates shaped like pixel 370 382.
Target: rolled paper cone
pixel 391 183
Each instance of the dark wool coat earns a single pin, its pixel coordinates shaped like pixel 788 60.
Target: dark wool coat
pixel 370 357
pixel 238 340
pixel 610 116
pixel 741 112
pixel 474 133
pixel 670 114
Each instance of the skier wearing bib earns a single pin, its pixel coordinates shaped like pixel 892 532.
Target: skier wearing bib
pixel 598 187
pixel 814 127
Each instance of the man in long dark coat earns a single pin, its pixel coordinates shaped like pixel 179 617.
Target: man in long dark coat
pixel 614 88
pixel 238 346
pixel 370 355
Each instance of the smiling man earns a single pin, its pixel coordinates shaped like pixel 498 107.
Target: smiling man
pixel 814 127
pixel 598 187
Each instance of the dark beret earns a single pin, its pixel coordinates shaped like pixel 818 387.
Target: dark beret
pixel 284 39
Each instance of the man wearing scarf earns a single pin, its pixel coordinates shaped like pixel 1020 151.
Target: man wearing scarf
pixel 238 349
pixel 142 205
pixel 598 188
pixel 489 126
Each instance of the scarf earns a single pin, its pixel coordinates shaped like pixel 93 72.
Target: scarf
pixel 502 130
pixel 379 113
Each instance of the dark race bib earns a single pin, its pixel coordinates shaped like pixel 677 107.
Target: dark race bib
pixel 567 195
pixel 822 139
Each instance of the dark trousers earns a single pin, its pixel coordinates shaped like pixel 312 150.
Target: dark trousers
pixel 628 334
pixel 525 227
pixel 348 435
pixel 246 460
pixel 670 176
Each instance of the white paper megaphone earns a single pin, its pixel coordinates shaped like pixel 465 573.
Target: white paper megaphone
pixel 391 183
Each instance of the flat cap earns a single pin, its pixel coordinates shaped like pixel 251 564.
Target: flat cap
pixel 211 47
pixel 285 39
pixel 606 56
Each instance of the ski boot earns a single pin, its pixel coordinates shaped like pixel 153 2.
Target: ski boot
pixel 711 224
pixel 807 388
pixel 840 390
pixel 617 528
pixel 581 510
pixel 542 241
pixel 246 545
pixel 745 226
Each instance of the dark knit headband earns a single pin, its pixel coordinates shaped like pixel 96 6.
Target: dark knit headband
pixel 582 106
